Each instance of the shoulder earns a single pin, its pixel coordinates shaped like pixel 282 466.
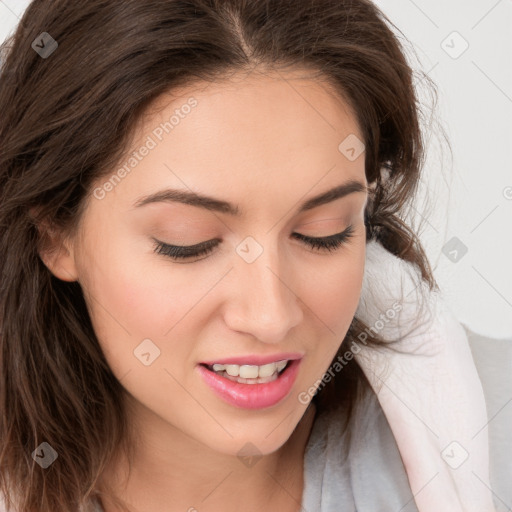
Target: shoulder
pixel 493 361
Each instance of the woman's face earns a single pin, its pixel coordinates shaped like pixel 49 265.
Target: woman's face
pixel 265 145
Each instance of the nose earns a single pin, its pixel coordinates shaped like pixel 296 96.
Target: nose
pixel 263 302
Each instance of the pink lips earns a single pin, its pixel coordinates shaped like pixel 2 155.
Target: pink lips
pixel 252 396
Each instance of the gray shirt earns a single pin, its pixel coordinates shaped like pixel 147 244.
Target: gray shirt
pixel 359 469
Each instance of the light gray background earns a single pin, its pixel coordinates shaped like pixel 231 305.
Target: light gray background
pixel 468 196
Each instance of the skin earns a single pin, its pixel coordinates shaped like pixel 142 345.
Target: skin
pixel 265 142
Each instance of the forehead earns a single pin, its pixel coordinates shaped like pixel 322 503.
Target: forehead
pixel 245 99
pixel 247 139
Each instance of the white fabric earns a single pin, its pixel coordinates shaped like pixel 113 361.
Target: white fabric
pixel 431 395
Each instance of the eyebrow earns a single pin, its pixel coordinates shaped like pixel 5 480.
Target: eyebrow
pixel 221 206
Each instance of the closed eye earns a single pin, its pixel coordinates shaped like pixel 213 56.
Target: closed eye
pixel 179 252
pixel 328 243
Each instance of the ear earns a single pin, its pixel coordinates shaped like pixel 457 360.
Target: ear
pixel 56 251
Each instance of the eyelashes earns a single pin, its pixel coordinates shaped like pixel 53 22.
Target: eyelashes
pixel 324 244
pixel 185 252
pixel 327 243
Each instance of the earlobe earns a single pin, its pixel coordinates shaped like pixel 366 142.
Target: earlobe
pixel 56 253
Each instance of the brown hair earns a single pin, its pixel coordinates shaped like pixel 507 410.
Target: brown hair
pixel 67 120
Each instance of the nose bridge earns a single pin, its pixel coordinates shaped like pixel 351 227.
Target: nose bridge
pixel 264 303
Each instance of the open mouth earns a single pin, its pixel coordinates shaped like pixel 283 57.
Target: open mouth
pixel 251 386
pixel 249 374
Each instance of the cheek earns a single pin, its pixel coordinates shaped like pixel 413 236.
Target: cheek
pixel 129 301
pixel 334 289
pixel 331 294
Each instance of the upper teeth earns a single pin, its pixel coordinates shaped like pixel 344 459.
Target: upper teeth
pixel 248 371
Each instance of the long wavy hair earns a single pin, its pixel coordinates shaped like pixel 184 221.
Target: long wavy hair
pixel 67 119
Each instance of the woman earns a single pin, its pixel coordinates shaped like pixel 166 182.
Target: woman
pixel 189 194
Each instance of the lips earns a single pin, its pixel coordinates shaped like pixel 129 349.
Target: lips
pixel 256 395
